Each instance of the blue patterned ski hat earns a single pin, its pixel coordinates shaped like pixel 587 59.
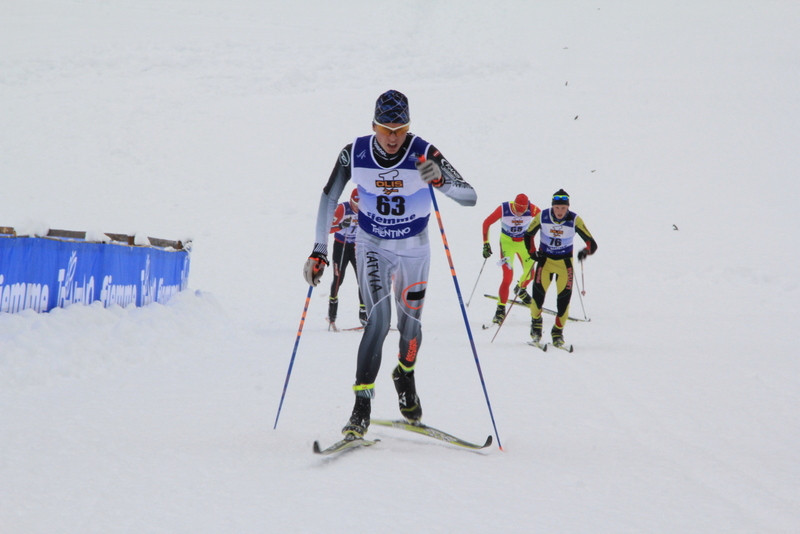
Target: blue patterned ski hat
pixel 392 107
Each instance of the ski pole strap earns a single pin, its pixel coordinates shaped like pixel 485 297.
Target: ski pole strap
pixel 364 390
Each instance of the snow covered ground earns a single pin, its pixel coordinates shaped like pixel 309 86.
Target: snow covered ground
pixel 220 121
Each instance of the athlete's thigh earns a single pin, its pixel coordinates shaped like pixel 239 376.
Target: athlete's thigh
pixel 411 281
pixel 375 267
pixel 518 249
pixel 507 251
pixel 548 270
pixel 565 275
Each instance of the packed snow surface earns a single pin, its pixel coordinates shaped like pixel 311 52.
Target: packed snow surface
pixel 672 125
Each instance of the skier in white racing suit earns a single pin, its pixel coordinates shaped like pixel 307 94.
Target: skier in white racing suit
pixel 393 170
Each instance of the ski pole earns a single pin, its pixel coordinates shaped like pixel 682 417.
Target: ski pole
pixel 508 312
pixel 463 310
pixel 580 295
pixel 583 284
pixel 476 281
pixel 294 352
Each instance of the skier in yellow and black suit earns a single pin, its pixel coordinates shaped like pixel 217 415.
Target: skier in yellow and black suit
pixel 554 259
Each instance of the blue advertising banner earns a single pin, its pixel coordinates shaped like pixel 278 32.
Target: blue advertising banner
pixel 41 274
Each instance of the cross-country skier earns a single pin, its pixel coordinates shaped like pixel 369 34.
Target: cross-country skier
pixel 515 217
pixel 343 228
pixel 393 169
pixel 554 260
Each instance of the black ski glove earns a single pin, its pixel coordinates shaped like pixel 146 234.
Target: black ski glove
pixel 487 250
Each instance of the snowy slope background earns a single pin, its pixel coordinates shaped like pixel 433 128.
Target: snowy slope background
pixel 220 122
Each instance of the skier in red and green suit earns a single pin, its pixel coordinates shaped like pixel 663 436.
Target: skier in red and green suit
pixel 515 217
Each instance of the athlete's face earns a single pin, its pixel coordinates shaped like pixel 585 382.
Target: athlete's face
pixel 390 136
pixel 560 211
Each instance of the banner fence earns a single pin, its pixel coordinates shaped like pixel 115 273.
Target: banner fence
pixel 43 273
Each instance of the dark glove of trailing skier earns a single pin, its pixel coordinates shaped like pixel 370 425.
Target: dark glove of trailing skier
pixel 315 265
pixel 582 254
pixel 345 223
pixel 537 256
pixel 487 250
pixel 430 172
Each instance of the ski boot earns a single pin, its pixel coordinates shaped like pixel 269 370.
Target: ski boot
pixel 500 314
pixel 362 315
pixel 522 295
pixel 558 336
pixel 536 330
pixel 407 397
pixel 358 424
pixel 333 307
